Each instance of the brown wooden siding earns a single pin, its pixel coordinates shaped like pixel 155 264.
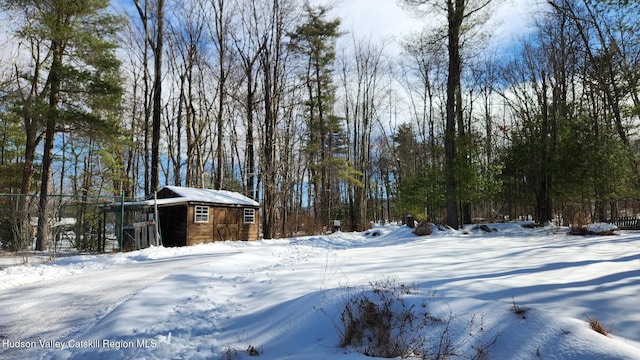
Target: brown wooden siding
pixel 225 223
pixel 198 233
pixel 250 231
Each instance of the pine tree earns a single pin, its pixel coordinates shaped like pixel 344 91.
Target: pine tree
pixel 80 80
pixel 315 40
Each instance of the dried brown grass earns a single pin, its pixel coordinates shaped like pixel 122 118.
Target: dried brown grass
pixel 596 326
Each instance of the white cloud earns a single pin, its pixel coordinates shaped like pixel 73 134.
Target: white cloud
pixel 386 20
pixel 379 19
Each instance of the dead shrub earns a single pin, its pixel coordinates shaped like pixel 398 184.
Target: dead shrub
pixel 378 322
pixel 230 354
pixel 252 351
pixel 596 326
pixel 580 226
pixel 581 219
pixel 518 310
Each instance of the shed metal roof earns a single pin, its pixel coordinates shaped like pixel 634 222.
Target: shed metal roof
pixel 187 194
pixel 213 196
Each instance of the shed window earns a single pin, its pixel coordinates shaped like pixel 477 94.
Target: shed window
pixel 201 214
pixel 249 216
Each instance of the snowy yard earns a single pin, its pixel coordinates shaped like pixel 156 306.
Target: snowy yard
pixel 282 299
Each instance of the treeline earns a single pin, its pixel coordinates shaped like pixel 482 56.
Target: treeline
pixel 274 100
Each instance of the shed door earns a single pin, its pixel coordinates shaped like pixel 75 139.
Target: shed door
pixel 226 224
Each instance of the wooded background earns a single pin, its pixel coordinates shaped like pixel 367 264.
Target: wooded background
pixel 274 99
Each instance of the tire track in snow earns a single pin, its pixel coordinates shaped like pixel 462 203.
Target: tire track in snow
pixel 202 317
pixel 95 294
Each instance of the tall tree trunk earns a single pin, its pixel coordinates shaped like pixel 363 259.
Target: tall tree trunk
pixel 28 169
pixel 157 99
pixel 31 130
pixel 43 207
pixel 156 46
pixel 47 155
pixel 269 153
pixel 147 122
pixel 543 197
pixel 250 162
pixel 29 158
pixel 23 218
pixel 455 18
pixel 222 90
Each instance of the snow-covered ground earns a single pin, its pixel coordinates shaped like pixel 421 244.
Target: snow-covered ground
pixel 283 299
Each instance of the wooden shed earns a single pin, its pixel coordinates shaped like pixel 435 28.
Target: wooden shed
pixel 189 216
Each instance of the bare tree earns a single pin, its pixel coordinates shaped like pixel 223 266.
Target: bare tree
pixel 187 54
pixel 156 44
pixel 249 47
pixel 137 111
pixel 424 77
pixel 273 62
pixel 220 40
pixel 602 50
pixel 364 93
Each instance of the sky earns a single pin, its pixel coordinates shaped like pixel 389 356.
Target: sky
pixel 387 20
pixel 516 292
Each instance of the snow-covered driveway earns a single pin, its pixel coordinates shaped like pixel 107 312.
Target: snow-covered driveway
pixel 56 309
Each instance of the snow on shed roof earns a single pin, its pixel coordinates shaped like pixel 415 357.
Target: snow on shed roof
pixel 186 194
pixel 212 196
